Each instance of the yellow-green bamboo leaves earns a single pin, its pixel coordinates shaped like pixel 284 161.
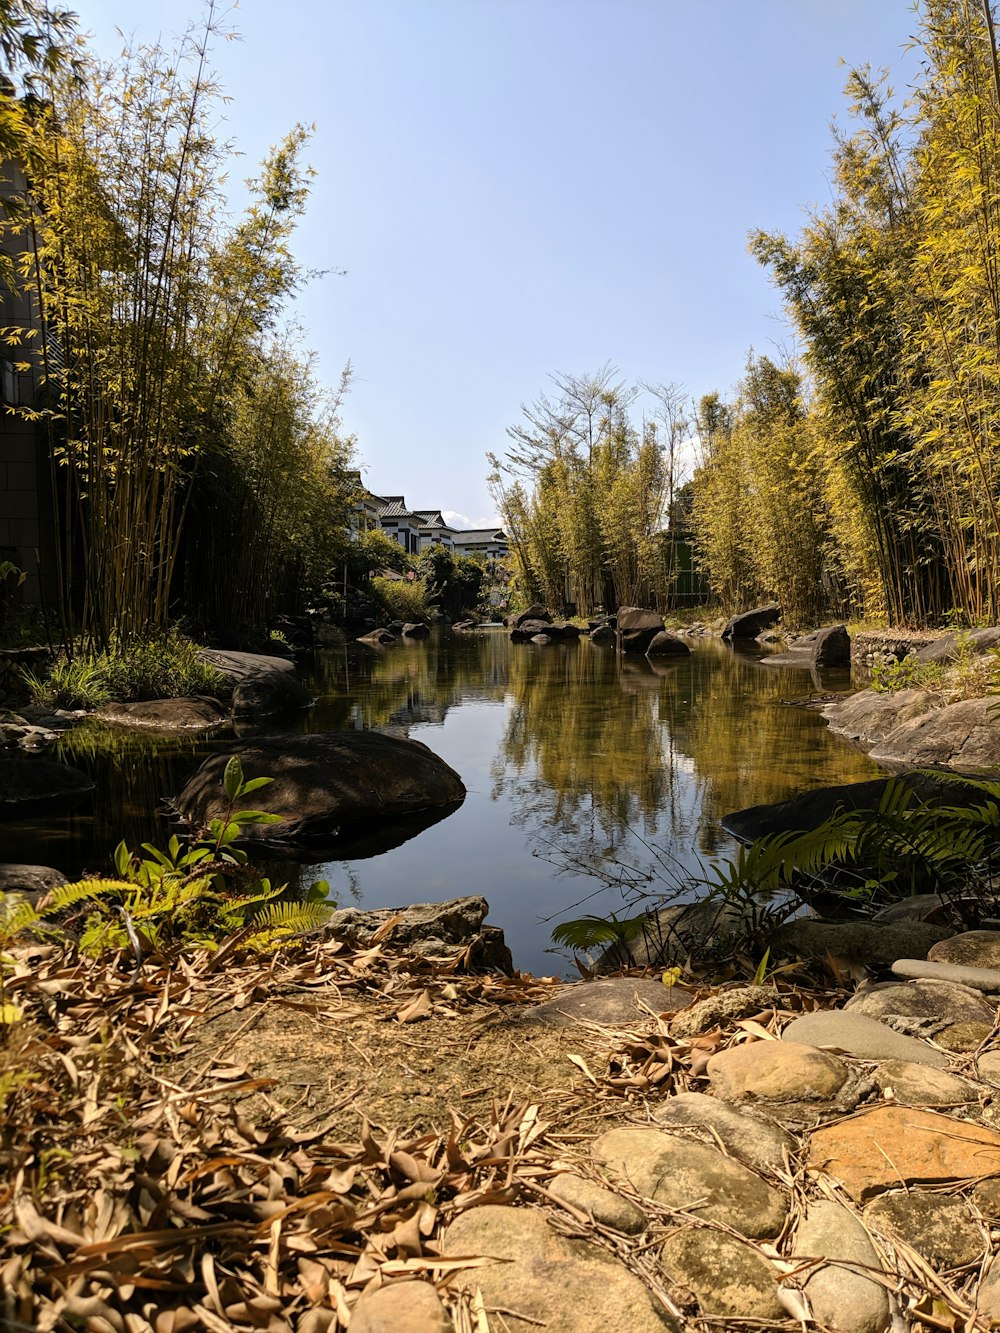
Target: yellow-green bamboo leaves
pixel 151 318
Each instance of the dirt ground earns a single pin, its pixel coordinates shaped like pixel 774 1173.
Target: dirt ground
pixel 337 1059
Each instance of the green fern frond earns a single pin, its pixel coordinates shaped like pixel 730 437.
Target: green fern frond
pixel 590 932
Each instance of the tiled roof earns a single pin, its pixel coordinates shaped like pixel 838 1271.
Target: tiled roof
pixel 431 518
pixel 394 506
pixel 481 535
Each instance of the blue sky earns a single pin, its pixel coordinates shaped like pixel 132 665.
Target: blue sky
pixel 516 187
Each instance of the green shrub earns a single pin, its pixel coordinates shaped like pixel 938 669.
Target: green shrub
pixel 890 674
pixel 76 684
pixel 162 668
pixel 400 598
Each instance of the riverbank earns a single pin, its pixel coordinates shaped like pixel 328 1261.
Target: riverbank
pixel 358 1135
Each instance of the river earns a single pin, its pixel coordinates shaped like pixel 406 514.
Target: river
pixel 575 761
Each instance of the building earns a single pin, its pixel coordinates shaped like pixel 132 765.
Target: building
pixel 490 542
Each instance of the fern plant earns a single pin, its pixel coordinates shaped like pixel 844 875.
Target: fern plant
pixel 862 858
pixel 190 894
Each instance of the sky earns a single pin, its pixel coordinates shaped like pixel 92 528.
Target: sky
pixel 514 188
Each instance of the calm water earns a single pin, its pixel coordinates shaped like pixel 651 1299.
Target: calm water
pixel 573 760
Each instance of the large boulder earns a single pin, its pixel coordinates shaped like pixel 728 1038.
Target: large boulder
pixel 831 649
pixel 31 882
pixel 449 930
pixel 534 612
pixel 527 630
pixel 964 736
pixel 637 628
pixel 949 646
pixel 870 715
pixel 200 713
pixel 29 785
pixel 748 624
pixel 807 811
pixel 327 785
pixel 261 685
pixel 665 644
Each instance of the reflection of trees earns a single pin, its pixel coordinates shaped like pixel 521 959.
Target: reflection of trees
pixel 585 758
pixel 602 755
pixel 410 682
pixel 747 747
pixel 134 772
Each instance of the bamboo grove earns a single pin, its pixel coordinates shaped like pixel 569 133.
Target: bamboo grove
pixel 862 479
pixel 895 292
pixel 196 465
pixel 584 491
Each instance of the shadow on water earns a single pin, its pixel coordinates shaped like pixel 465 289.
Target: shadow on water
pixel 572 758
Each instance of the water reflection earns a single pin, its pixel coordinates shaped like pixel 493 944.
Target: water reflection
pixel 572 758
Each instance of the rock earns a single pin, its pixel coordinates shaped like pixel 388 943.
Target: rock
pixel 949 646
pixel 975 978
pixel 261 685
pixel 963 1037
pixel 603 634
pixel 630 618
pixel 986 1197
pixel 863 1037
pixel 566 630
pixel 831 649
pixel 196 714
pixel 666 644
pixel 749 624
pixel 610 1001
pixel 807 811
pixel 534 612
pixel 30 785
pixel 973 948
pixel 839 1295
pixel 935 907
pixel 942 1001
pixel 325 784
pixel 561 1285
pixel 400 1307
pixel 674 1171
pixel 527 630
pixel 941 1230
pixel 432 930
pixel 748 1136
pixel 964 736
pixel 864 942
pixel 728 1006
pixel 869 716
pixel 540 639
pixel 415 630
pixel 637 628
pixel 988 1066
pixel 671 934
pixel 776 1071
pixel 913 1084
pixel 988 1294
pixel 603 1205
pixel 893 1145
pixel 31 882
pixel 729 1277
pixel 378 638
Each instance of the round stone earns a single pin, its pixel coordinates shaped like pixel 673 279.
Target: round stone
pixel 974 948
pixel 776 1071
pixel 964 1037
pixel 914 1084
pixel 604 1206
pixel 941 1229
pixel 728 1276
